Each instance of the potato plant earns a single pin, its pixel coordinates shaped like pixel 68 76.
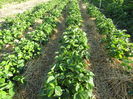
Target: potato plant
pixel 117 41
pixel 24 49
pixel 69 78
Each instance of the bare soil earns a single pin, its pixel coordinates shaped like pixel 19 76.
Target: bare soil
pixel 110 81
pixel 37 69
pixel 13 9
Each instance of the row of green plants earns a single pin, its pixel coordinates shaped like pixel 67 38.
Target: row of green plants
pixel 117 40
pixel 69 78
pixel 120 11
pixel 26 48
pixel 14 28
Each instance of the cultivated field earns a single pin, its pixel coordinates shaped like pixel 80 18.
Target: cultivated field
pixel 66 49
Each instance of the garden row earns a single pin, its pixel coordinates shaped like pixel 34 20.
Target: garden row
pixel 69 78
pixel 14 28
pixel 120 11
pixel 26 48
pixel 116 41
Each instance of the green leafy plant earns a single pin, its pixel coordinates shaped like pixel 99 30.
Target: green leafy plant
pixel 23 49
pixel 116 40
pixel 68 78
pixel 14 28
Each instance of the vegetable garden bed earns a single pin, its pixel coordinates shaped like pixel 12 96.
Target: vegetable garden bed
pixel 92 57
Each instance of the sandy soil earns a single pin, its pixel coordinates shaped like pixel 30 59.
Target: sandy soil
pixel 12 9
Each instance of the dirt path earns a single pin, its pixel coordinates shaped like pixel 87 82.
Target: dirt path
pixel 12 9
pixel 38 68
pixel 108 84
